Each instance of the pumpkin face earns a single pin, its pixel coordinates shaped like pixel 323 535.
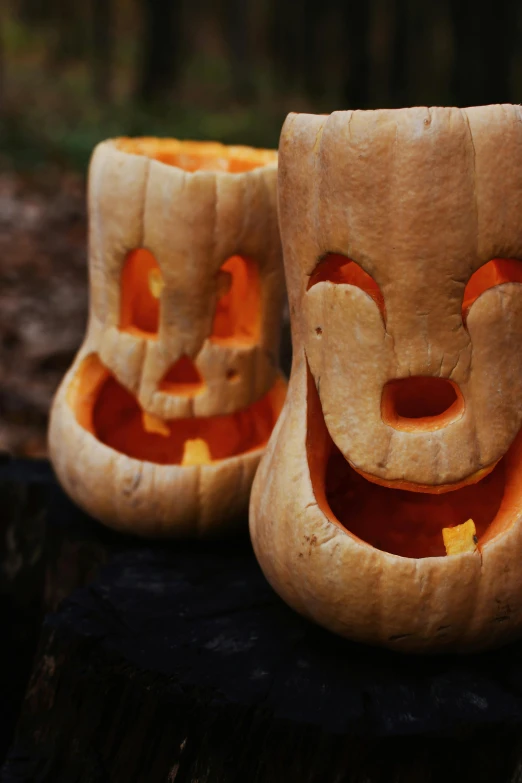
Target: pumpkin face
pixel 159 425
pixel 388 506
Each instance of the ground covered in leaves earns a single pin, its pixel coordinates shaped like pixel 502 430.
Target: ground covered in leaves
pixel 43 297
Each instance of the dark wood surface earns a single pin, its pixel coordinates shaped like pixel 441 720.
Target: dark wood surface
pixel 177 662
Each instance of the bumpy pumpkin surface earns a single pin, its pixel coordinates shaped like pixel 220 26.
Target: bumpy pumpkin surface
pixel 388 506
pixel 160 423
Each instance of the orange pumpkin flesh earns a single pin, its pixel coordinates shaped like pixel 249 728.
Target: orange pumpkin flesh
pixel 108 411
pixel 461 538
pixel 401 517
pixel 237 315
pixel 401 521
pixel 198 155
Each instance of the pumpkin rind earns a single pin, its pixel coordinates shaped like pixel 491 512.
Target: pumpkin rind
pixel 417 198
pixel 191 221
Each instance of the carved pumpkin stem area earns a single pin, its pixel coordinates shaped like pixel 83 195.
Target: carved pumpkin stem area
pixel 410 523
pixel 113 416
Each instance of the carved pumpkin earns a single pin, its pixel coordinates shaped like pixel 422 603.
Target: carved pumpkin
pixel 388 506
pixel 159 425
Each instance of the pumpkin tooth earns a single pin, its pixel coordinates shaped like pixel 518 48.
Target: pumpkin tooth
pixel 461 538
pixel 154 425
pixel 196 452
pixel 156 283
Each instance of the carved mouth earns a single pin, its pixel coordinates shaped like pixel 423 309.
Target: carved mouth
pixel 103 407
pixel 404 522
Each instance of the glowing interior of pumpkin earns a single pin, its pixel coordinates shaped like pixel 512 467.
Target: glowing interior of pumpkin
pixel 237 316
pixel 112 415
pixel 495 272
pixel 182 378
pixel 401 521
pixel 339 269
pixel 199 156
pixel 421 403
pixel 141 285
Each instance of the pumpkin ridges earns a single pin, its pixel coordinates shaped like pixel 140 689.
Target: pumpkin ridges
pixel 322 585
pixel 420 203
pixel 368 231
pixel 169 231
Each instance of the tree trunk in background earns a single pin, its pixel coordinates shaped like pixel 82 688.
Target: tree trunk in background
pixel 380 52
pixel 102 48
pixel 2 65
pixel 238 38
pixel 34 11
pixel 484 39
pixel 285 29
pixel 312 67
pixel 161 48
pixel 355 89
pixel 68 23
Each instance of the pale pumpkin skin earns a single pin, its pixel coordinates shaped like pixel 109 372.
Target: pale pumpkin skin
pixel 224 203
pixel 420 198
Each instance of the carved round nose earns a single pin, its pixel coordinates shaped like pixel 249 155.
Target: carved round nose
pixel 421 403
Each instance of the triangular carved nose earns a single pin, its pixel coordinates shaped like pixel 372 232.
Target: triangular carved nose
pixel 421 403
pixel 182 378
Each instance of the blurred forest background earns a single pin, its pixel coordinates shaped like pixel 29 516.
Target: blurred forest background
pixel 73 73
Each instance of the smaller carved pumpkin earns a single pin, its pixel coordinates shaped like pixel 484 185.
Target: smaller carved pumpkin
pixel 388 506
pixel 159 425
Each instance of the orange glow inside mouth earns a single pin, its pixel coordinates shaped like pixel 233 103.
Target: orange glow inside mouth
pixel 400 521
pixel 112 415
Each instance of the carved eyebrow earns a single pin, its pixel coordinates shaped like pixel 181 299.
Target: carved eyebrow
pixel 493 273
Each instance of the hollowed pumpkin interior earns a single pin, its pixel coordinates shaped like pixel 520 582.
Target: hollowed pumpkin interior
pixel 495 272
pixel 421 403
pixel 237 316
pixel 141 286
pixel 337 268
pixel 199 156
pixel 112 415
pixel 400 521
pixel 182 378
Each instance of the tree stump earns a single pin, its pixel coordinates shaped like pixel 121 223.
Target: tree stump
pixel 177 662
pixel 24 492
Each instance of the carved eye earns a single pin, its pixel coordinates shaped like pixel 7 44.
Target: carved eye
pixel 495 272
pixel 141 286
pixel 339 269
pixel 237 316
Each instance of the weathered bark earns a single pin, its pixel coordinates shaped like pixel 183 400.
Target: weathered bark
pixel 178 662
pixel 24 501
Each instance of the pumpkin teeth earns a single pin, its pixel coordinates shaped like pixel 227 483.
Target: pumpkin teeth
pixel 461 538
pixel 196 452
pixel 154 425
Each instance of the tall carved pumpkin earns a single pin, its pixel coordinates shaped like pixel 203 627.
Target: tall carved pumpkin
pixel 159 425
pixel 388 506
